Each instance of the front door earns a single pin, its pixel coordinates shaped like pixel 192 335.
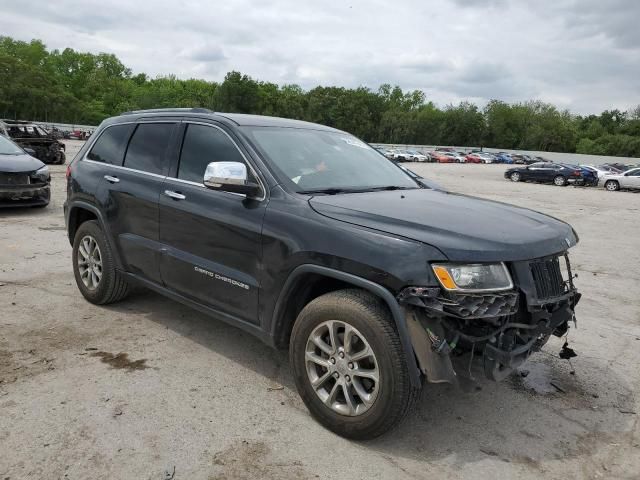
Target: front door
pixel 211 239
pixel 632 179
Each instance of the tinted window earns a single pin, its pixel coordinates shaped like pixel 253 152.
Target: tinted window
pixel 148 146
pixel 201 146
pixel 110 146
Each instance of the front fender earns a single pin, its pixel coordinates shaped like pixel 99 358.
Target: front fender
pixel 381 292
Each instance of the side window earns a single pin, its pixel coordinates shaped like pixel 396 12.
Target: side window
pixel 110 146
pixel 147 148
pixel 201 146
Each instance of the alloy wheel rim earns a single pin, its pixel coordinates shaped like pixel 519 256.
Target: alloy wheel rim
pixel 515 177
pixel 559 181
pixel 89 262
pixel 611 186
pixel 342 368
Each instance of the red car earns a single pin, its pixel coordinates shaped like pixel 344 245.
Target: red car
pixel 474 158
pixel 440 157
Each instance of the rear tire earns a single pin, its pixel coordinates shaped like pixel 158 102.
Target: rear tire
pixel 94 267
pixel 383 403
pixel 559 181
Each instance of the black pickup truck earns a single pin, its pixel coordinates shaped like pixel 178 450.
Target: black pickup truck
pixel 310 239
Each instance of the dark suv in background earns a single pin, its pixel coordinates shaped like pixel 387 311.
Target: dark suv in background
pixel 309 238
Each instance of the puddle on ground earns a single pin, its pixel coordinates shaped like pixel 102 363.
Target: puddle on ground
pixel 121 361
pixel 538 378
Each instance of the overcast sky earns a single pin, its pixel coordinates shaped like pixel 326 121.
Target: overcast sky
pixel 578 54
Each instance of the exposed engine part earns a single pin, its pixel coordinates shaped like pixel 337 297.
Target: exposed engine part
pixel 497 330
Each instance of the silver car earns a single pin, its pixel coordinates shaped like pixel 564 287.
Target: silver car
pixel 628 179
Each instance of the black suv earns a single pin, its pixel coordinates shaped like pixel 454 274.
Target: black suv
pixel 309 238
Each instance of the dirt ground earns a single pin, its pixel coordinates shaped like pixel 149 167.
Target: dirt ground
pixel 149 389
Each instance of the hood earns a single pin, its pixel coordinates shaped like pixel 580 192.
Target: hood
pixel 34 140
pixel 464 228
pixel 19 163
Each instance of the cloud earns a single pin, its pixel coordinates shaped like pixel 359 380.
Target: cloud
pixel 580 54
pixel 205 53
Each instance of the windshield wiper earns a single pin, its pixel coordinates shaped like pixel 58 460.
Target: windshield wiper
pixel 389 187
pixel 335 190
pixel 327 191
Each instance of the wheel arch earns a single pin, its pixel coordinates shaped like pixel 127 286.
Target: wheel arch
pixel 80 212
pixel 308 281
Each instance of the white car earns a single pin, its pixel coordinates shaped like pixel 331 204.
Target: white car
pixel 602 170
pixel 417 156
pixel 628 179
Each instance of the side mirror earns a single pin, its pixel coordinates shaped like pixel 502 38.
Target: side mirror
pixel 230 177
pixel 30 151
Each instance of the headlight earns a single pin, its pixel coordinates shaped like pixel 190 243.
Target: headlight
pixel 473 277
pixel 42 173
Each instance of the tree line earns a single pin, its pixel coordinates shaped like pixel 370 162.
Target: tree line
pixel 77 87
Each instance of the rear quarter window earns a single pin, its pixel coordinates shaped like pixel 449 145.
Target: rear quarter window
pixel 111 145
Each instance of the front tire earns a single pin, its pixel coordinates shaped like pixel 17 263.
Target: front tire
pixel 94 266
pixel 612 185
pixel 515 177
pixel 349 365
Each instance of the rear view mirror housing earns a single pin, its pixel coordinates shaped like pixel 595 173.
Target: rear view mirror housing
pixel 230 177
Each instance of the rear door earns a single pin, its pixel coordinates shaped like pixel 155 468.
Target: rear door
pixel 130 195
pixel 211 239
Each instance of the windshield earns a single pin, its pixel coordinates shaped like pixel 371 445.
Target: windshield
pixel 7 147
pixel 315 160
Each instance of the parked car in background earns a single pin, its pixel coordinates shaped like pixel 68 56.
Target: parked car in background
pixel 473 158
pixel 621 167
pixel 629 179
pixel 502 157
pixel 442 157
pixel 523 159
pixel 24 180
pixel 479 157
pixel 589 177
pixel 29 135
pixel 601 170
pixel 556 173
pixel 415 156
pixel 399 155
pixel 385 151
pixel 456 156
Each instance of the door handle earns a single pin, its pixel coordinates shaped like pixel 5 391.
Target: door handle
pixel 174 195
pixel 111 179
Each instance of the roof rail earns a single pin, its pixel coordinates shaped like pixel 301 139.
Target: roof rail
pixel 169 110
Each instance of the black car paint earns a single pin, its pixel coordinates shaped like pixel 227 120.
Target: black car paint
pixel 548 172
pixel 34 193
pixel 381 241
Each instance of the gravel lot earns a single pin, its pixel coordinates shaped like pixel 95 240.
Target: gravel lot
pixel 131 390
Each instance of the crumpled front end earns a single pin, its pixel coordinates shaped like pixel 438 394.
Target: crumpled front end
pixel 456 334
pixel 46 150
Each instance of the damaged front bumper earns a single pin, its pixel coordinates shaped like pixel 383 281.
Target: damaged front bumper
pixel 24 195
pixel 454 335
